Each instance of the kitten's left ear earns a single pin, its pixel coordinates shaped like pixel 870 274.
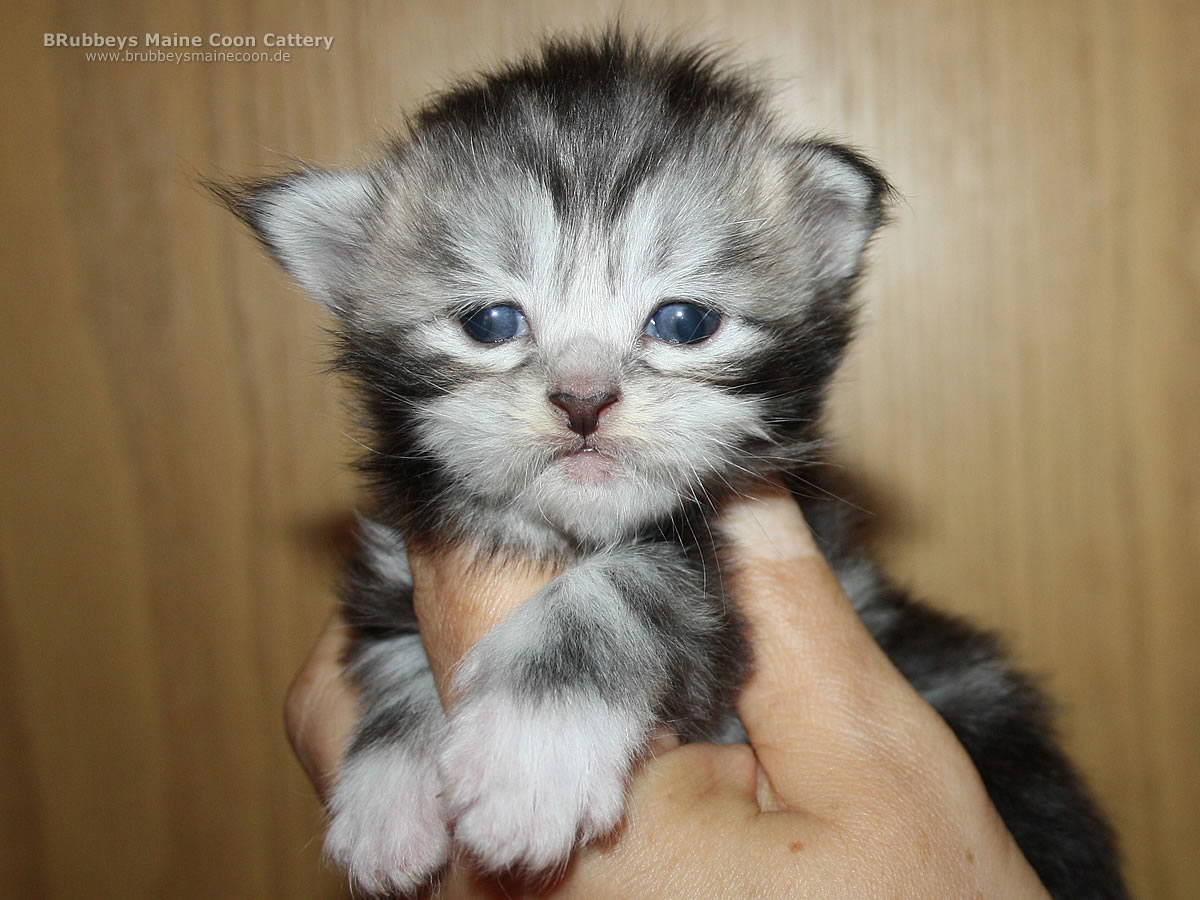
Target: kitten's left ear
pixel 838 199
pixel 314 222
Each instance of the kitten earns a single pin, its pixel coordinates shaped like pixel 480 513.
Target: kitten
pixel 585 298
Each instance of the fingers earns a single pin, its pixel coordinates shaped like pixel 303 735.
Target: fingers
pixel 461 595
pixel 321 707
pixel 458 600
pixel 821 686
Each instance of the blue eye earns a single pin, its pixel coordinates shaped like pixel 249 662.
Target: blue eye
pixel 495 324
pixel 682 323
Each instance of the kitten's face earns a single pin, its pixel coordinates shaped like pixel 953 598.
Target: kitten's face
pixel 589 392
pixel 572 330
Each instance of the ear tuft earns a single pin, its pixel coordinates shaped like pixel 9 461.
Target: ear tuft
pixel 841 199
pixel 314 222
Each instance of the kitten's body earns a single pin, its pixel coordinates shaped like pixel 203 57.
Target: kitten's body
pixel 511 280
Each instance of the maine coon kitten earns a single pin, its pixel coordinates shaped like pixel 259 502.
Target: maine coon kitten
pixel 585 298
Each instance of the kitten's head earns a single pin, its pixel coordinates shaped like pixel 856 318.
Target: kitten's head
pixel 584 289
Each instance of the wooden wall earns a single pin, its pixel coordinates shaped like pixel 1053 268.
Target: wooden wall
pixel 1022 402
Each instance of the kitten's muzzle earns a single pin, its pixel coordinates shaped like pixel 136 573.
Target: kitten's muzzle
pixel 583 413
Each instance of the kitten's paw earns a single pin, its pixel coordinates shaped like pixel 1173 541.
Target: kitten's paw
pixel 388 826
pixel 527 780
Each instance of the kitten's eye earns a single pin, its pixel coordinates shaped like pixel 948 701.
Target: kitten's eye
pixel 682 323
pixel 496 324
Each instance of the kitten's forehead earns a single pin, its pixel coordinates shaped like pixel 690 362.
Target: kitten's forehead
pixel 596 279
pixel 501 236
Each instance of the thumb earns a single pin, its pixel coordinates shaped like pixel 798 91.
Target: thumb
pixel 818 674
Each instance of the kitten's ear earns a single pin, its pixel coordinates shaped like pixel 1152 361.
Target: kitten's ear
pixel 314 222
pixel 838 199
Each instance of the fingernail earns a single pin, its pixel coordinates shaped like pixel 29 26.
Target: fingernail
pixel 768 526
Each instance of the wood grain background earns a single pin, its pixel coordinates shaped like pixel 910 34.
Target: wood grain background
pixel 1022 402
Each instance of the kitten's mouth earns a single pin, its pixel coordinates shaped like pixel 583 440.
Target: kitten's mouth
pixel 585 447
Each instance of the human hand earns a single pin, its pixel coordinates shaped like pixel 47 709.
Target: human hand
pixel 852 786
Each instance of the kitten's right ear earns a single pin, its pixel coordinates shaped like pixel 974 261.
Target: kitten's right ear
pixel 314 222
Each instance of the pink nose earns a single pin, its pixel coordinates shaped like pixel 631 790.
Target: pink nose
pixel 583 413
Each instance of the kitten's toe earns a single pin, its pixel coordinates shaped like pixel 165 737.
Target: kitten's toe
pixel 527 781
pixel 388 826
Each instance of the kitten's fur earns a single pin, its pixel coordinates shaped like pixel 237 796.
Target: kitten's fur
pixel 587 186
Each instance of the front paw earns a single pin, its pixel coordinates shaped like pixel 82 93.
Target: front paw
pixel 388 828
pixel 525 780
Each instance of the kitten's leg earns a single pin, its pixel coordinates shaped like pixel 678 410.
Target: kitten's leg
pixel 1005 725
pixel 388 827
pixel 558 701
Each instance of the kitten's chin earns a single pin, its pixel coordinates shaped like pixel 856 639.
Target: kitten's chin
pixel 592 497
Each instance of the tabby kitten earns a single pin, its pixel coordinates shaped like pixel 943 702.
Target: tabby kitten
pixel 586 297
